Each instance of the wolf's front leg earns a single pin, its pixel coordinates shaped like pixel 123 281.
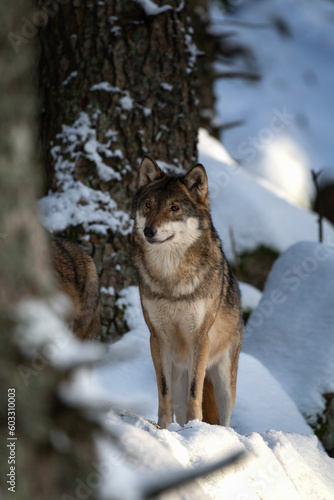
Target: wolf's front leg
pixel 197 360
pixel 163 374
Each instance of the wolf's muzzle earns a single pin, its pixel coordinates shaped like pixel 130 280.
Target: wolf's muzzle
pixel 150 232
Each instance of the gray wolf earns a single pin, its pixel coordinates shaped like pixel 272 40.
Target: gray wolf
pixel 77 277
pixel 189 295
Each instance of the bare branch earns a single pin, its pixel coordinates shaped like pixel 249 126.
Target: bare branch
pixel 239 74
pixel 315 176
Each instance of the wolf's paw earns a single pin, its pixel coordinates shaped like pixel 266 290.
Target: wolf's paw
pixel 164 421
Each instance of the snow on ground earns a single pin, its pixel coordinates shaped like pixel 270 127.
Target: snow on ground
pixel 287 115
pixel 293 327
pixel 284 458
pixel 276 466
pixel 254 213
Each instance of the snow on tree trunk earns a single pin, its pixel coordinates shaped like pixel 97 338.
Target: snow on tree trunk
pixel 47 444
pixel 116 81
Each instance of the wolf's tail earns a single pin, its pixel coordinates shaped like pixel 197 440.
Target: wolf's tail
pixel 209 407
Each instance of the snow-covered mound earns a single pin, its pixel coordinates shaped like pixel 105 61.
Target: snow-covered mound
pixel 262 403
pixel 292 330
pixel 255 214
pixel 276 465
pixel 286 117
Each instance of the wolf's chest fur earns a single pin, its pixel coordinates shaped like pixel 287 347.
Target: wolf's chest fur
pixel 177 323
pixel 174 272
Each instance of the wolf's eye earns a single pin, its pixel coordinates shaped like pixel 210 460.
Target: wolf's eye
pixel 174 208
pixel 148 204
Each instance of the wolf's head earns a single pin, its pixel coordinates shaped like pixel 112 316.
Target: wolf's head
pixel 170 209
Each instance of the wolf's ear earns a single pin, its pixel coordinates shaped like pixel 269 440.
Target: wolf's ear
pixel 197 183
pixel 149 171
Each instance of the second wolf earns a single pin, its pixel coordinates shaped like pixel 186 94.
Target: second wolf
pixel 77 277
pixel 189 296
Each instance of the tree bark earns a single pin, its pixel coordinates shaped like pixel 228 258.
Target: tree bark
pixel 116 81
pixel 40 470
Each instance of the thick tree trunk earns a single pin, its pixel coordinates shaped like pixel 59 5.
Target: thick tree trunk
pixel 30 463
pixel 117 81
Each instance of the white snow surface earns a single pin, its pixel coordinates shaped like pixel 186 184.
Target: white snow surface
pixel 75 203
pixel 277 465
pixel 151 8
pixel 284 458
pixel 293 326
pixel 255 214
pixel 287 115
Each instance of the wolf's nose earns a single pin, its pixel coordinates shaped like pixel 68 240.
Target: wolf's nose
pixel 150 232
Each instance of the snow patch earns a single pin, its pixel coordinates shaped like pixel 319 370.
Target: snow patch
pixel 126 102
pixel 77 203
pixel 110 290
pixel 106 87
pixel 255 213
pixel 166 86
pixel 291 332
pixel 296 76
pixel 72 75
pixel 151 8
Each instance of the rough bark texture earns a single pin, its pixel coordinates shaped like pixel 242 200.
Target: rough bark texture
pixel 40 470
pixel 148 106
